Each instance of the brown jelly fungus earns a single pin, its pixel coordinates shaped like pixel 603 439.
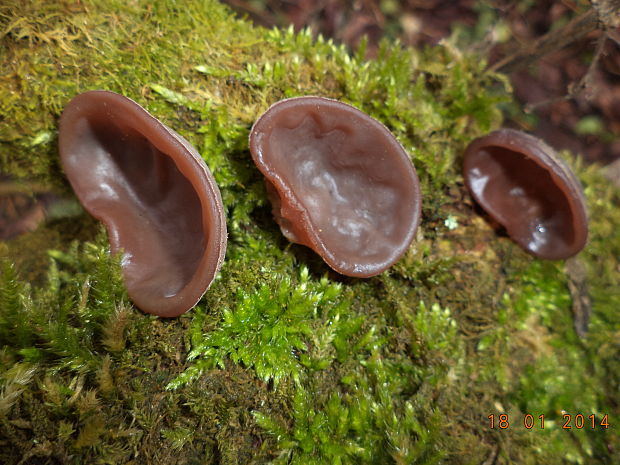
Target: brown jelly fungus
pixel 153 192
pixel 523 185
pixel 339 183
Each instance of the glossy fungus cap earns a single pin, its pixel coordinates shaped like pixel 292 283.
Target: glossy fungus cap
pixel 339 182
pixel 523 185
pixel 154 193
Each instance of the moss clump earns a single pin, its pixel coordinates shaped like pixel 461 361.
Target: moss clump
pixel 266 330
pixel 283 360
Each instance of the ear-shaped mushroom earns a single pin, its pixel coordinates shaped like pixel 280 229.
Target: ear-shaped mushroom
pixel 153 192
pixel 339 182
pixel 523 185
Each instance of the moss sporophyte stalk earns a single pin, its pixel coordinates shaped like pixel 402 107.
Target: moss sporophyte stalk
pixel 283 360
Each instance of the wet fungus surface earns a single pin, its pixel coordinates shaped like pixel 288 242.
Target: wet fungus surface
pixel 523 185
pixel 153 192
pixel 339 183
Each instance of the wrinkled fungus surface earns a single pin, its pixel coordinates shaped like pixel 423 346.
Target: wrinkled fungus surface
pixel 153 192
pixel 522 184
pixel 339 182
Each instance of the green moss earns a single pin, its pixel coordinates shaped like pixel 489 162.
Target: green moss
pixel 283 360
pixel 266 330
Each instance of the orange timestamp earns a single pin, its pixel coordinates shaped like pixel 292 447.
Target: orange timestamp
pixel 529 421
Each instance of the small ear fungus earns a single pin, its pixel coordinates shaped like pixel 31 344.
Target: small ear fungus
pixel 154 193
pixel 339 182
pixel 523 185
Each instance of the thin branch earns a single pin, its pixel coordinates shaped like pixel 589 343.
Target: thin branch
pixel 585 85
pixel 550 42
pixel 614 35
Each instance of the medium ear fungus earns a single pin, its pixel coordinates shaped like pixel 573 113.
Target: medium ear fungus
pixel 339 181
pixel 154 193
pixel 523 185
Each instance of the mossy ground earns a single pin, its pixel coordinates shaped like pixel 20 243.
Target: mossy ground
pixel 284 361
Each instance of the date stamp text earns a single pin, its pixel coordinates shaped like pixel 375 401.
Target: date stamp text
pixel 529 421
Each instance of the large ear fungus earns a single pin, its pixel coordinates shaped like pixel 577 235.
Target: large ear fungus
pixel 154 193
pixel 339 182
pixel 524 186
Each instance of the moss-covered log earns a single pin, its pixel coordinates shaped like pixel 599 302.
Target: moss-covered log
pixel 284 361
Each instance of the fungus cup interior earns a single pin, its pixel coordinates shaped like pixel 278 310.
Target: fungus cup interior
pixel 153 192
pixel 339 183
pixel 523 185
